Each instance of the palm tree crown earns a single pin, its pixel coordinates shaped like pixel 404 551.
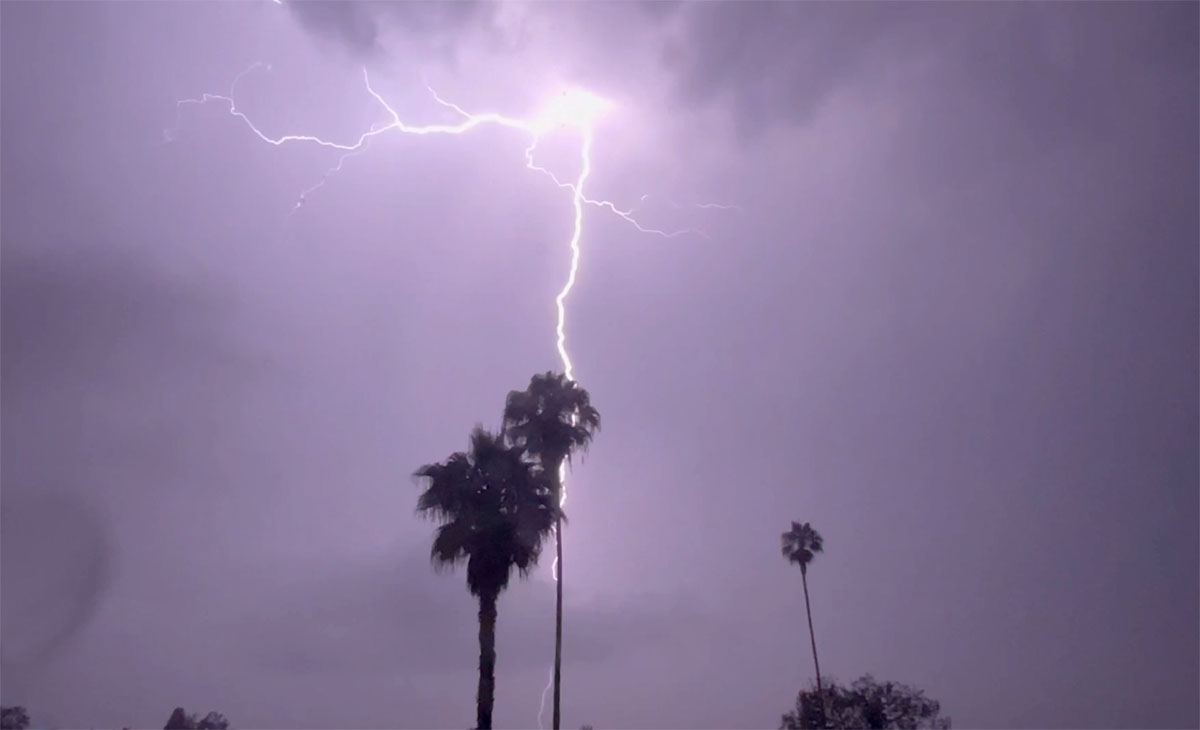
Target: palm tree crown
pixel 801 544
pixel 550 419
pixel 495 508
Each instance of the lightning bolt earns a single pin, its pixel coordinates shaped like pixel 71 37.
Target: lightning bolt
pixel 575 109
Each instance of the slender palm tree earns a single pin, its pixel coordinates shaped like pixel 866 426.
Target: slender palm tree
pixel 495 507
pixel 550 420
pixel 800 545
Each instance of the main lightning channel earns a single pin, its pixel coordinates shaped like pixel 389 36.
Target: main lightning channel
pixel 560 331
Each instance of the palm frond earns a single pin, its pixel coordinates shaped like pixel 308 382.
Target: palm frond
pixel 450 544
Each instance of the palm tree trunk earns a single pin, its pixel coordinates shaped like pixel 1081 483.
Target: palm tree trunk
pixel 813 638
pixel 558 624
pixel 487 662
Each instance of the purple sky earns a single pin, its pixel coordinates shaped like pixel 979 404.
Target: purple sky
pixel 955 327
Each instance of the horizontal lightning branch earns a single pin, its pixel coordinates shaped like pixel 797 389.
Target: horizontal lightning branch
pixel 535 128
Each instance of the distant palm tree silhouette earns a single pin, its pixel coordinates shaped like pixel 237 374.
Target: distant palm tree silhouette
pixel 495 508
pixel 550 420
pixel 800 545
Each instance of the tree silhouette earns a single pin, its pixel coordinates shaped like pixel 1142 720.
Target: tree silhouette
pixel 14 718
pixel 495 508
pixel 800 545
pixel 865 704
pixel 182 720
pixel 550 420
pixel 213 721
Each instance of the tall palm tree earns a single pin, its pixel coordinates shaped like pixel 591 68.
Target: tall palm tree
pixel 550 420
pixel 800 545
pixel 495 507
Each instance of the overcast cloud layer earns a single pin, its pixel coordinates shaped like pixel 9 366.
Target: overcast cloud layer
pixel 954 326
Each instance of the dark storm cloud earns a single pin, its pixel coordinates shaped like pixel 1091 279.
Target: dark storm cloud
pixel 350 24
pixel 779 60
pixel 770 61
pixel 358 26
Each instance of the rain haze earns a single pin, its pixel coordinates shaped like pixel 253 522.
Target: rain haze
pixel 952 322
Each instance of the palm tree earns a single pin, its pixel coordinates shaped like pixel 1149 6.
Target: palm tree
pixel 800 545
pixel 550 420
pixel 495 507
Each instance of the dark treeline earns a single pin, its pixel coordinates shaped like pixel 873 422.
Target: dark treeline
pixel 14 718
pixel 181 720
pixel 17 718
pixel 865 704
